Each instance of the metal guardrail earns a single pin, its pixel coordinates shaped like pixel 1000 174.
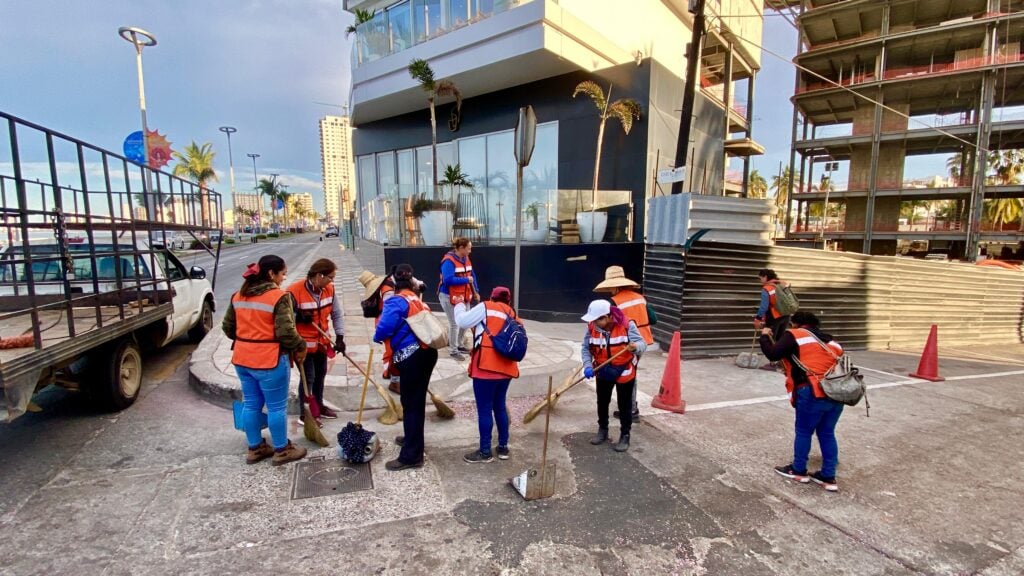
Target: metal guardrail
pixel 711 293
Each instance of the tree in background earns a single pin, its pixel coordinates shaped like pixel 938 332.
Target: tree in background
pixel 624 110
pixel 421 72
pixel 757 186
pixel 272 189
pixel 196 164
pixel 1005 169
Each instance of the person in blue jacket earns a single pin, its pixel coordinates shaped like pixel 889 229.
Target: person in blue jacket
pixel 412 360
pixel 458 285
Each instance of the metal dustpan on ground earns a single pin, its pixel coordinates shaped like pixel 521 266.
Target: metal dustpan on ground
pixel 534 484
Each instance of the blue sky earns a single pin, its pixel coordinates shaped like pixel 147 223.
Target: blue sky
pixel 258 65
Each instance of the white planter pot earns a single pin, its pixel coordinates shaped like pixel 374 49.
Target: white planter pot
pixel 539 234
pixel 592 225
pixel 436 227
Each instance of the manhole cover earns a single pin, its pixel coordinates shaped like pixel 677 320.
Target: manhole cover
pixel 315 478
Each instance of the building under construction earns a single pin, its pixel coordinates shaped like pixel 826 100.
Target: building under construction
pixel 888 88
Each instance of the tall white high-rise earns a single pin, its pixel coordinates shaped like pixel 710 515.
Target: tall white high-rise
pixel 336 161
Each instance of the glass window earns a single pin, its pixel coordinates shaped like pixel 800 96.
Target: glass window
pixel 501 186
pixel 424 173
pixel 406 173
pixel 458 13
pixel 400 21
pixel 426 18
pixel 387 184
pixel 540 177
pixel 367 191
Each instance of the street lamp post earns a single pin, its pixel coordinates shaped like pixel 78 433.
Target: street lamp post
pixel 229 130
pixel 255 180
pixel 140 39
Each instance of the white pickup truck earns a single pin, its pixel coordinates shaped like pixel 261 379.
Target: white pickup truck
pixel 123 298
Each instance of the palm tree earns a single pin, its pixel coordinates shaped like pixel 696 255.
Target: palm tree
pixel 624 110
pixel 454 176
pixel 1007 167
pixel 284 197
pixel 362 16
pixel 757 186
pixel 272 189
pixel 421 72
pixel 196 164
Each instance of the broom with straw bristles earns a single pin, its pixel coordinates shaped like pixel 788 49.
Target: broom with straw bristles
pixel 310 427
pixel 552 399
pixel 443 410
pixel 392 410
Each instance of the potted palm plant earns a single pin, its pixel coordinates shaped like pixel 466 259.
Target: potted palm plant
pixel 592 224
pixel 534 231
pixel 435 219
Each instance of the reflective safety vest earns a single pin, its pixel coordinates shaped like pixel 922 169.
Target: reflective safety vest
pixel 306 301
pixel 255 343
pixel 773 312
pixel 461 271
pixel 815 358
pixel 484 354
pixel 634 306
pixel 603 347
pixel 384 290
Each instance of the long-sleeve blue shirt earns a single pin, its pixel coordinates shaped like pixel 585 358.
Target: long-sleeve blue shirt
pixel 762 310
pixel 448 277
pixel 393 327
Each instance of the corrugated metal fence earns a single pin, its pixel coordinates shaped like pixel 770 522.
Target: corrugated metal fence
pixel 711 295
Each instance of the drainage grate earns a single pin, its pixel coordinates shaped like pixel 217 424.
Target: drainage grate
pixel 314 478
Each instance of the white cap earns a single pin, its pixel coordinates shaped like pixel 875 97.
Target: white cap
pixel 597 309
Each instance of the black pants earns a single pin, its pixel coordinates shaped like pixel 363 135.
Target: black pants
pixel 624 394
pixel 315 367
pixel 414 377
pixel 778 326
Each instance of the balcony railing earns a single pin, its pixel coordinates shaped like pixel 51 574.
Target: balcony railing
pixel 405 25
pixel 838 224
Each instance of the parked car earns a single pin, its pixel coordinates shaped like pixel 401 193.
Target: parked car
pixel 172 240
pixel 216 236
pixel 331 231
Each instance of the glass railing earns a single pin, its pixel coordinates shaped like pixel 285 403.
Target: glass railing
pixel 416 21
pixel 487 216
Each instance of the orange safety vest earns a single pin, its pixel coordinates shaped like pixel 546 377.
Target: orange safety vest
pixel 255 343
pixel 604 347
pixel 386 359
pixel 484 354
pixel 773 312
pixel 307 302
pixel 461 271
pixel 816 359
pixel 634 306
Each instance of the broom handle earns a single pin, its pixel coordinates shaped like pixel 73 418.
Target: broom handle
pixel 598 367
pixel 544 454
pixel 380 389
pixel 366 384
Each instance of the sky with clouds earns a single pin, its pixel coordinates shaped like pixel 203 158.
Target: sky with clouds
pixel 257 65
pixel 262 66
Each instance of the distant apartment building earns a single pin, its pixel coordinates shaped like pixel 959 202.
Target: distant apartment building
pixel 336 163
pixel 506 54
pixel 248 202
pixel 889 87
pixel 303 200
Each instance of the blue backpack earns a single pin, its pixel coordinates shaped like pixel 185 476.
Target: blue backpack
pixel 510 341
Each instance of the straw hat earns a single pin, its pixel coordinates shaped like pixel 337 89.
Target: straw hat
pixel 615 277
pixel 371 282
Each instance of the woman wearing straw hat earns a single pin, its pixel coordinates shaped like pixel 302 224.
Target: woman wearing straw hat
pixel 377 289
pixel 633 304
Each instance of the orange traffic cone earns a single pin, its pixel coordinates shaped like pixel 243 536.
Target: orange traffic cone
pixel 670 396
pixel 928 368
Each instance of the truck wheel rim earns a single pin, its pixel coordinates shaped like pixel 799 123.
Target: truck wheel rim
pixel 131 374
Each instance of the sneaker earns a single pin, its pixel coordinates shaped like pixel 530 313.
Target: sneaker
pixel 394 387
pixel 259 453
pixel 289 453
pixel 792 474
pixel 828 484
pixel 399 440
pixel 396 465
pixel 463 350
pixel 326 412
pixel 769 367
pixel 456 355
pixel 502 452
pixel 477 456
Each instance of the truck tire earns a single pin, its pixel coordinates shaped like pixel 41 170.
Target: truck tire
pixel 204 325
pixel 117 375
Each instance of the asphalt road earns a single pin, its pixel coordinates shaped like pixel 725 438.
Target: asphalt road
pixel 296 250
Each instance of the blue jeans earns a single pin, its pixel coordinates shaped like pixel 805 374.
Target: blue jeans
pixel 491 409
pixel 816 416
pixel 267 386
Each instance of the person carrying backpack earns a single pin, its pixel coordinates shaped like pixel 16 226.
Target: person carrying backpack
pixel 491 370
pixel 808 355
pixel 768 314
